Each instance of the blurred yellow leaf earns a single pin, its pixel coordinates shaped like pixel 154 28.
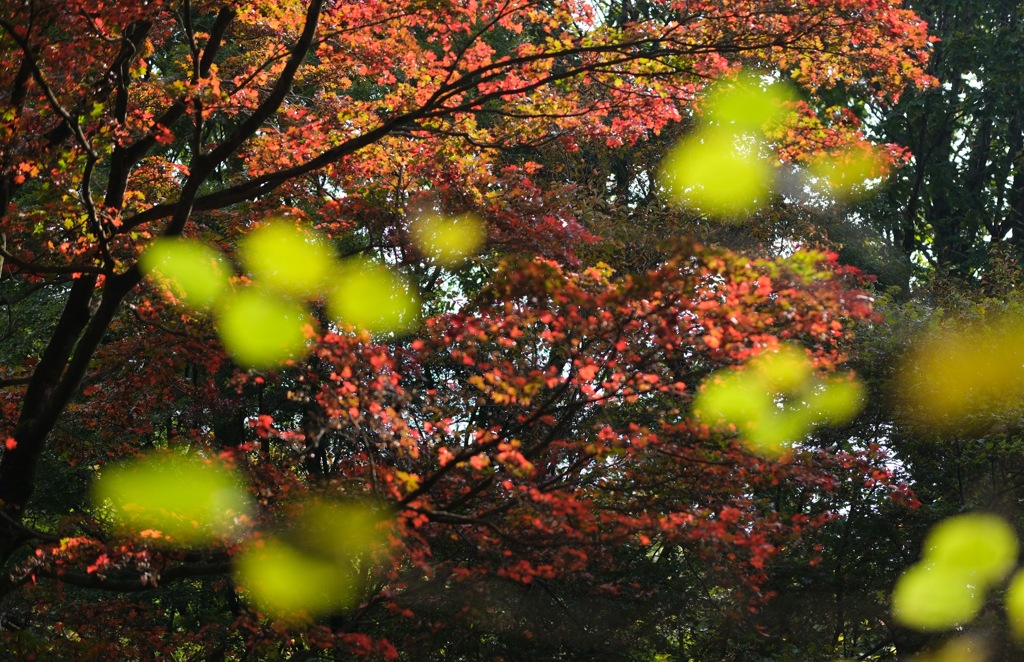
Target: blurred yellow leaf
pixel 260 329
pixel 719 172
pixel 747 102
pixel 285 582
pixel 1015 604
pixel 981 544
pixel 370 296
pixel 185 500
pixel 285 258
pixel 319 565
pixel 784 370
pixel 843 174
pixel 776 400
pixel 956 379
pixel 724 169
pixel 448 240
pixel 961 649
pixel 934 597
pixel 964 556
pixel 734 398
pixel 193 272
pixel 344 531
pixel 837 401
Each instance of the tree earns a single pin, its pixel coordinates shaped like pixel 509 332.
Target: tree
pixel 940 229
pixel 125 122
pixel 961 190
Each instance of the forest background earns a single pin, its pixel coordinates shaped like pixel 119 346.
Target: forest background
pixel 460 329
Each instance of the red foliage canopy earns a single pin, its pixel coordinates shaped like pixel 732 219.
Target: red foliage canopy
pixel 534 434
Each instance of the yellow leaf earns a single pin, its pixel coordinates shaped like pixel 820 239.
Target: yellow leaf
pixel 193 272
pixel 981 544
pixel 261 330
pixel 319 565
pixel 370 296
pixel 185 500
pixel 931 598
pixel 955 379
pixel 747 102
pixel 844 173
pixel 284 582
pixel 285 258
pixel 1015 604
pixel 719 172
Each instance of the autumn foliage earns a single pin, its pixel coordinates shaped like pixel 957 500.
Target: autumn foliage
pixel 530 426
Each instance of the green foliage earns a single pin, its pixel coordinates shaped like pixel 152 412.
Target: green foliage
pixel 958 195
